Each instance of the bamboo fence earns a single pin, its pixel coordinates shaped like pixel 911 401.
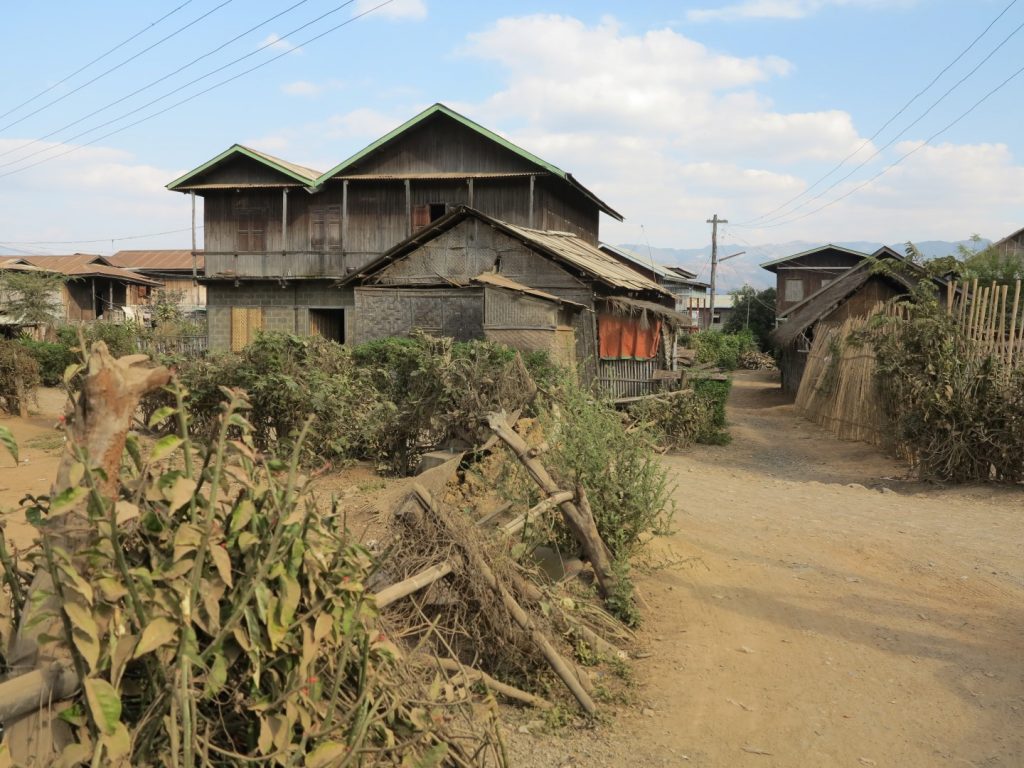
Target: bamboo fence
pixel 838 388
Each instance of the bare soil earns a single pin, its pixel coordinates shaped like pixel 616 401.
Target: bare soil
pixel 825 612
pixel 814 607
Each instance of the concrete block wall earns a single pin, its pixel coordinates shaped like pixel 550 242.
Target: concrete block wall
pixel 285 309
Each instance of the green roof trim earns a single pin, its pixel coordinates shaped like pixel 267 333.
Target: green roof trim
pixel 473 126
pixel 826 247
pixel 305 176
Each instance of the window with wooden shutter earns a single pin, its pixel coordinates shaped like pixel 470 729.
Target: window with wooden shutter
pixel 794 289
pixel 420 217
pixel 245 322
pixel 252 229
pixel 324 227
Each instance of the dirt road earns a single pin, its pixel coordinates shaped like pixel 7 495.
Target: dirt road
pixel 832 616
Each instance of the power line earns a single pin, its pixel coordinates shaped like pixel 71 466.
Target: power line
pixel 97 59
pixel 180 88
pixel 888 122
pixel 899 160
pixel 137 91
pixel 101 239
pixel 205 90
pixel 896 138
pixel 115 67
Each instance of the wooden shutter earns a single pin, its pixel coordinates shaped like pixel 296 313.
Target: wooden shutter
pixel 316 228
pixel 420 217
pixel 252 225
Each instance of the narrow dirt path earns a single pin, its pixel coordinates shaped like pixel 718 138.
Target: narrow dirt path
pixel 824 612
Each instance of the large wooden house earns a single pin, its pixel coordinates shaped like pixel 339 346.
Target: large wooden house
pixel 280 237
pixel 803 274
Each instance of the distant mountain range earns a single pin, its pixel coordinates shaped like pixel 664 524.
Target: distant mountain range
pixel 746 269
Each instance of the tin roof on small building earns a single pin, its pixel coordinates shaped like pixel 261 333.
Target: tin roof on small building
pixel 170 260
pixel 86 265
pixel 293 173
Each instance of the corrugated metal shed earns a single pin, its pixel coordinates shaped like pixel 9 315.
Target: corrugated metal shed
pixel 664 272
pixel 179 260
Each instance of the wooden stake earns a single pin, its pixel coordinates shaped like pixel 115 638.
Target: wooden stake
pixel 473 675
pixel 1001 333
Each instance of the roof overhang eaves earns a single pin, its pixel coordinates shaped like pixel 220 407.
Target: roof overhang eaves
pixel 179 184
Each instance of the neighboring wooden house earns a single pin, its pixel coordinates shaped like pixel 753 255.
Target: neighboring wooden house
pixel 882 276
pixel 1011 246
pixel 442 279
pixel 691 295
pixel 279 236
pixel 804 274
pixel 178 270
pixel 95 289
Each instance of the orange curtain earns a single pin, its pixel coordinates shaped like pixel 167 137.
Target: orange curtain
pixel 621 337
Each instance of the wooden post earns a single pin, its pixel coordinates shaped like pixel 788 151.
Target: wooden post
pixel 470 183
pixel 950 293
pixel 195 257
pixel 1012 339
pixel 408 208
pixel 344 216
pixel 284 221
pixel 533 183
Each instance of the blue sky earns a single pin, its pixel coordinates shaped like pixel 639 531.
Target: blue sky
pixel 670 111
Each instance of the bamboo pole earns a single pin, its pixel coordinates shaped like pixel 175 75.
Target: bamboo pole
pixel 950 295
pixel 471 674
pixel 990 333
pixel 1011 341
pixel 581 524
pixel 479 564
pixel 515 526
pixel 414 583
pixel 1001 333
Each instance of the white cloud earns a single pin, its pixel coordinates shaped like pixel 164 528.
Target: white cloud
pixel 784 9
pixel 277 43
pixel 100 193
pixel 396 9
pixel 668 131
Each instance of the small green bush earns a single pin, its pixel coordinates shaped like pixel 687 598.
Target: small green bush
pixel 53 359
pixel 722 349
pixel 19 375
pixel 717 394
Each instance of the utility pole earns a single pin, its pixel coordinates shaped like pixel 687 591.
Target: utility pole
pixel 714 221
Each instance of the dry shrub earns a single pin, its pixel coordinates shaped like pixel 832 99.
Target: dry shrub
pixel 227 623
pixel 461 617
pixel 955 410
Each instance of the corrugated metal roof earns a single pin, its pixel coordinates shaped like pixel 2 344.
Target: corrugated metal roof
pixel 300 173
pixel 86 265
pixel 179 260
pixel 564 247
pixel 591 260
pixel 500 281
pixel 828 246
pixel 661 270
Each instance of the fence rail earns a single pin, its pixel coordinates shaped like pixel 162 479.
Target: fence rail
pixel 178 346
